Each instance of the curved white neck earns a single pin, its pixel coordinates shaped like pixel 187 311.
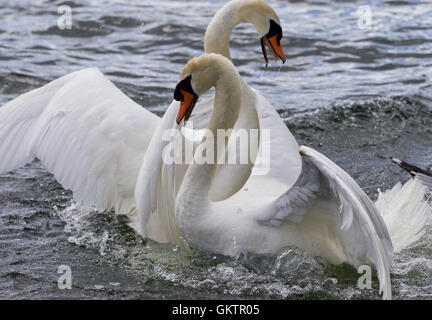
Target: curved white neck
pixel 194 193
pixel 218 33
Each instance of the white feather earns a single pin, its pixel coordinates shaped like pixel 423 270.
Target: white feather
pixel 85 131
pixel 405 210
pixel 361 220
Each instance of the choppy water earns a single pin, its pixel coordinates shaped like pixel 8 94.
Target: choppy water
pixel 352 93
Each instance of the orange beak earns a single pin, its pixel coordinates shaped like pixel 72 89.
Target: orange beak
pixel 276 48
pixel 187 104
pixel 185 94
pixel 272 41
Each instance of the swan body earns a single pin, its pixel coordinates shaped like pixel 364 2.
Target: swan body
pixel 155 195
pixel 325 212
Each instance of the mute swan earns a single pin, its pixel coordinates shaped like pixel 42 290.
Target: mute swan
pixel 325 212
pixel 155 194
pixel 402 207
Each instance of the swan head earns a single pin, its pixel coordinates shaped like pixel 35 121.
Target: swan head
pixel 267 23
pixel 188 98
pixel 198 76
pixel 257 12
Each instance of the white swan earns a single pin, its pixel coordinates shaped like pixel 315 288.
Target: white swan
pixel 155 192
pixel 158 182
pixel 324 212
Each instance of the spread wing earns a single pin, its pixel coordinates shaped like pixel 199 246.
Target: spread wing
pixel 85 131
pixel 362 231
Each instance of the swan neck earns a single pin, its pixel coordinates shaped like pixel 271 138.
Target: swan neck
pixel 225 113
pixel 218 33
pixel 226 106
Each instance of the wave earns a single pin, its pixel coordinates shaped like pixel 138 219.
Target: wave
pixel 362 135
pixel 81 29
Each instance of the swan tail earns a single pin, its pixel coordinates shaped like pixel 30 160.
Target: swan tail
pixel 405 208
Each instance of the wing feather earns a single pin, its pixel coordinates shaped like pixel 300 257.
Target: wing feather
pixel 362 232
pixel 361 219
pixel 85 131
